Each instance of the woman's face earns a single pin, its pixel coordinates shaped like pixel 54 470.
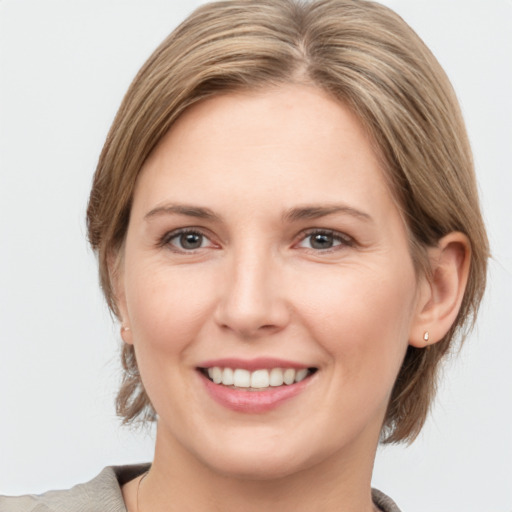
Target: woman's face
pixel 263 246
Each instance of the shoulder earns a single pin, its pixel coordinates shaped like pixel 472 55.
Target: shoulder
pixel 385 503
pixel 103 493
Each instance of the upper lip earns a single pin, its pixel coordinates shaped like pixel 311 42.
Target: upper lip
pixel 258 363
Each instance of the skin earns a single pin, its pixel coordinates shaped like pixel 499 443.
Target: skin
pixel 259 286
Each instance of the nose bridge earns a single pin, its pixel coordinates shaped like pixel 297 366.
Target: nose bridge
pixel 252 302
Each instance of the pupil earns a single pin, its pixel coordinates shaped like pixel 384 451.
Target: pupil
pixel 191 241
pixel 321 241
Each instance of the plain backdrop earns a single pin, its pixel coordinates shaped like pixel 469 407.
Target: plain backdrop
pixel 64 67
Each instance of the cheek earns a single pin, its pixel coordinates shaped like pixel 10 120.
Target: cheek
pixel 166 305
pixel 362 318
pixel 167 309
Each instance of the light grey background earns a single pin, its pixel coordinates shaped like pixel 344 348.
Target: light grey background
pixel 64 67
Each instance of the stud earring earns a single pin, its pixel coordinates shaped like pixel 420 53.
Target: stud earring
pixel 124 328
pixel 426 336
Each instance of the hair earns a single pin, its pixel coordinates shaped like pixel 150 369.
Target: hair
pixel 362 54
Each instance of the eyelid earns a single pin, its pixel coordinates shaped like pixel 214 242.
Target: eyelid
pixel 165 240
pixel 344 239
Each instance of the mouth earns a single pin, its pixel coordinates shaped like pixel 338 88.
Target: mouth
pixel 262 379
pixel 255 386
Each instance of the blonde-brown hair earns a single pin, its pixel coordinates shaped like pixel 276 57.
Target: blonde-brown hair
pixel 366 56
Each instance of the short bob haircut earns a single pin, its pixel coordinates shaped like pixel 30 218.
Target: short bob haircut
pixel 365 56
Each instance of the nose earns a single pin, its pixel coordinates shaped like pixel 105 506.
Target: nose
pixel 252 302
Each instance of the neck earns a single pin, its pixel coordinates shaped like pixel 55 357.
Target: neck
pixel 341 482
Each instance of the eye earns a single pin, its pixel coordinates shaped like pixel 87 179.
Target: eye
pixel 324 240
pixel 186 240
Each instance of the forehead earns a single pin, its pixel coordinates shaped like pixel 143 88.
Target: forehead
pixel 290 144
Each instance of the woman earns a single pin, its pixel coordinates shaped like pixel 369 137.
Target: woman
pixel 288 231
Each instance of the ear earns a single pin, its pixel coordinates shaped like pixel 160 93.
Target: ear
pixel 440 296
pixel 116 276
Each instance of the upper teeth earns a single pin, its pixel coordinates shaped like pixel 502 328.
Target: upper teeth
pixel 241 378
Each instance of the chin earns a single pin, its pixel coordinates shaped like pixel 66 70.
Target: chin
pixel 259 459
pixel 260 467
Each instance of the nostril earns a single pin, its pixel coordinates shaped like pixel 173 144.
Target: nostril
pixel 269 327
pixel 251 306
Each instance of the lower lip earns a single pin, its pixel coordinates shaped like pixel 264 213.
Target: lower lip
pixel 253 401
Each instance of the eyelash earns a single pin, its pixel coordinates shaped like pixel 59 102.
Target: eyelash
pixel 166 240
pixel 342 240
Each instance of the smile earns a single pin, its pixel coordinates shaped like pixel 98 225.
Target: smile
pixel 256 380
pixel 255 386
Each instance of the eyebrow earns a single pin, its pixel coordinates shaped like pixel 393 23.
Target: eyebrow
pixel 291 215
pixel 315 212
pixel 178 209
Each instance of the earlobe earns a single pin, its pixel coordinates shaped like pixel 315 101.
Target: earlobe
pixel 442 294
pixel 126 334
pixel 116 281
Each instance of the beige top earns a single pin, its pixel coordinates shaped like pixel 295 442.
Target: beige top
pixel 103 494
